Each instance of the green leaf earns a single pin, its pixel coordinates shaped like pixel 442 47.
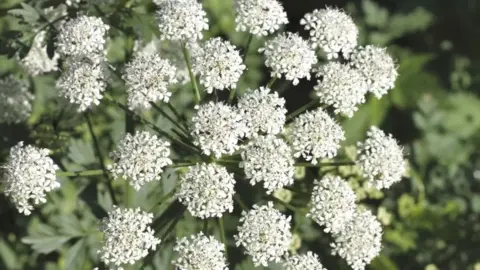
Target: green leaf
pixel 75 255
pixel 28 13
pixel 46 243
pixel 8 255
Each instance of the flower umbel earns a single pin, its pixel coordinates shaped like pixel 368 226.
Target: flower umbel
pixel 315 135
pixel 140 158
pixel 207 190
pixel 264 233
pixel 15 100
pixel 200 252
pixel 381 159
pixel 289 55
pixel 342 87
pixel 219 65
pixel 216 128
pixel 308 261
pixel 269 160
pixel 259 17
pixel 82 37
pixel 29 176
pixel 263 112
pixel 378 68
pixel 147 78
pixel 332 30
pixel 181 20
pixel 360 241
pixel 127 236
pixel 82 83
pixel 332 204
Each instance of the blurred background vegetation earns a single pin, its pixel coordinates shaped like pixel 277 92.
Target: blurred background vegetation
pixel 431 220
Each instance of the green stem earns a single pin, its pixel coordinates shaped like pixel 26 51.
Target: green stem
pixel 287 205
pixel 153 126
pixel 164 114
pixel 240 202
pixel 222 235
pixel 193 80
pixel 98 151
pixel 181 165
pixel 302 109
pixel 178 115
pixel 271 82
pixel 81 173
pixel 247 47
pixel 339 163
pixel 164 198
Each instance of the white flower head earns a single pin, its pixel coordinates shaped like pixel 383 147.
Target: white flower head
pixel 263 112
pixel 342 87
pixel 200 252
pixel 378 68
pixel 360 241
pixel 269 160
pixel 29 175
pixel 83 37
pixel 127 236
pixel 216 128
pixel 332 30
pixel 82 83
pixel 259 17
pixel 314 135
pixel 147 78
pixel 289 55
pixel 381 159
pixel 308 261
pixel 181 20
pixel 207 190
pixel 264 233
pixel 219 64
pixel 332 203
pixel 37 61
pixel 140 158
pixel 15 100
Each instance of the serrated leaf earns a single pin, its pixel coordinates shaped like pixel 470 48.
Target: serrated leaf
pixel 46 243
pixel 75 255
pixel 28 13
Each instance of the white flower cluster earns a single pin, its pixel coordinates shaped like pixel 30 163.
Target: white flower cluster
pixel 83 37
pixel 216 128
pixel 381 159
pixel 360 241
pixel 37 61
pixel 264 233
pixel 378 68
pixel 82 83
pixel 15 100
pixel 308 261
pixel 181 20
pixel 207 190
pixel 140 158
pixel 127 236
pixel 200 252
pixel 219 64
pixel 290 55
pixel 332 30
pixel 147 78
pixel 262 112
pixel 332 204
pixel 29 175
pixel 268 159
pixel 342 87
pixel 259 17
pixel 315 135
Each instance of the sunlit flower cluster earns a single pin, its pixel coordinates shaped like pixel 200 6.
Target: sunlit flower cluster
pixel 308 261
pixel 29 175
pixel 200 252
pixel 140 158
pixel 264 233
pixel 259 17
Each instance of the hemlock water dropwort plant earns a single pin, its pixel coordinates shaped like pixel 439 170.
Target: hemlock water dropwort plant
pixel 218 149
